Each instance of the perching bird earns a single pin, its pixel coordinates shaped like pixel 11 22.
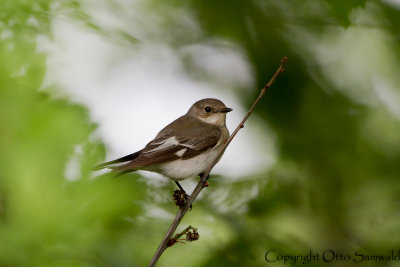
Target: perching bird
pixel 184 148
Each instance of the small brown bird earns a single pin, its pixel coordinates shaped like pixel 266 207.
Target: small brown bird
pixel 184 148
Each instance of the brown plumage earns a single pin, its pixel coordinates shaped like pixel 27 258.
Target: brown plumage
pixel 201 129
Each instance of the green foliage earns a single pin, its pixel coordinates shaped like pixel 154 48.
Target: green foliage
pixel 46 220
pixel 334 184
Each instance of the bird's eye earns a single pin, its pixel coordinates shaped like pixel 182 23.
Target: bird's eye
pixel 207 109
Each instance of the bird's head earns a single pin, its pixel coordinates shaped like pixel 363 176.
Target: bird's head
pixel 210 110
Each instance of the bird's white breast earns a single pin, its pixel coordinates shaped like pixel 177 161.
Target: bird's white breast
pixel 181 169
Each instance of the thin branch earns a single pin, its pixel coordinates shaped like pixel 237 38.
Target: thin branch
pixel 202 183
pixel 190 236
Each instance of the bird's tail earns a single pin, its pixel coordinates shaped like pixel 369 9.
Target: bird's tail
pixel 116 164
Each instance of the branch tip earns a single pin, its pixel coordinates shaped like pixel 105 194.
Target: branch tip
pixel 191 235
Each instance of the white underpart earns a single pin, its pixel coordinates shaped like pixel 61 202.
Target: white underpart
pixel 182 169
pixel 181 152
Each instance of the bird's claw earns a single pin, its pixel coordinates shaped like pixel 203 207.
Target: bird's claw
pixel 205 183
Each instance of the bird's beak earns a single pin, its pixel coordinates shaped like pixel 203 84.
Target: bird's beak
pixel 226 110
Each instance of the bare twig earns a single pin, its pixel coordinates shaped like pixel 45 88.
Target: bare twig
pixel 202 183
pixel 190 236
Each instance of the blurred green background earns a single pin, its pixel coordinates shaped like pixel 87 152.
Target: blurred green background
pixel 335 113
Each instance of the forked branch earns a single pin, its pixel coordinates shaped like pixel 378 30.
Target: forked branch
pixel 202 183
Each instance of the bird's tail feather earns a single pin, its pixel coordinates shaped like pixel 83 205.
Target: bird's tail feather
pixel 123 172
pixel 115 164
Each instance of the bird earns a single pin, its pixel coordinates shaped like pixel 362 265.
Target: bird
pixel 184 148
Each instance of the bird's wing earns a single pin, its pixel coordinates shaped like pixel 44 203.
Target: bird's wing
pixel 183 144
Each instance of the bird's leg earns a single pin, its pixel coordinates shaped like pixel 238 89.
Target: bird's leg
pixel 180 187
pixel 205 184
pixel 180 197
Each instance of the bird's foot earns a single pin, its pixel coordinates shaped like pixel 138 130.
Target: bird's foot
pixel 180 198
pixel 204 183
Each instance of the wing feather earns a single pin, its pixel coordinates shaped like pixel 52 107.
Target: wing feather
pixel 183 139
pixel 169 148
